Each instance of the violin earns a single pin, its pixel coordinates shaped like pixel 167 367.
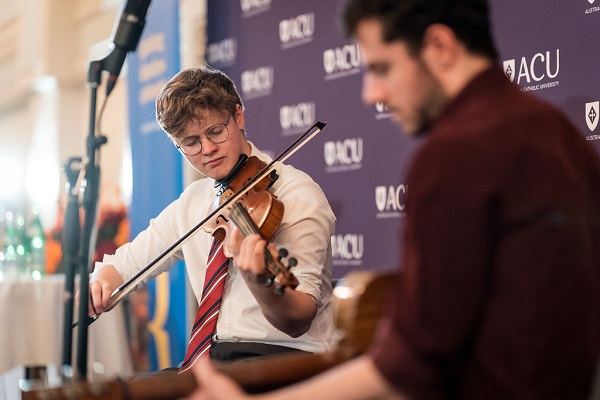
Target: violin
pixel 225 202
pixel 257 211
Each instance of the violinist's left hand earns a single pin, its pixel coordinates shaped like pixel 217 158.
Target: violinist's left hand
pixel 291 313
pixel 248 254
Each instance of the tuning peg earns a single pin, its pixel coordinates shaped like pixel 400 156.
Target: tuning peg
pixel 282 252
pixel 279 291
pixel 269 281
pixel 274 176
pixel 292 262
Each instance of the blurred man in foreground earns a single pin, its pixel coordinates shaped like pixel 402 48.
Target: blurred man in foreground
pixel 499 293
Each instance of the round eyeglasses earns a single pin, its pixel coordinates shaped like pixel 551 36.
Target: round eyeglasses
pixel 215 134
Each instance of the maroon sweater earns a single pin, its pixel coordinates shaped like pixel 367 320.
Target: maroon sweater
pixel 499 291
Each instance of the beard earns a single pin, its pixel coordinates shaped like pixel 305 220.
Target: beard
pixel 431 105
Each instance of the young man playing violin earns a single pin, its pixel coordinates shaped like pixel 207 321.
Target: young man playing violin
pixel 202 113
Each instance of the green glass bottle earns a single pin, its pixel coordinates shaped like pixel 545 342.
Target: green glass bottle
pixel 37 245
pixel 22 247
pixel 9 247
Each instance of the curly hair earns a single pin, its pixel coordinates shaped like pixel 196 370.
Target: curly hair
pixel 191 90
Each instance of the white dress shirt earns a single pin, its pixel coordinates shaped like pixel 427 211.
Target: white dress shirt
pixel 305 231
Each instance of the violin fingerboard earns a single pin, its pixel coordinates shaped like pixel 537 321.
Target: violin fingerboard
pixel 240 217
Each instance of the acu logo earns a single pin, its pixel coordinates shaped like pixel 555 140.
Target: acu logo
pixel 298 28
pixel 539 67
pixel 258 80
pixel 349 151
pixel 223 52
pixel 348 247
pixel 390 198
pixel 297 116
pixel 341 59
pixel 592 111
pixel 381 107
pixel 509 69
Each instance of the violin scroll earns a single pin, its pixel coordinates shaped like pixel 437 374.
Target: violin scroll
pixel 292 262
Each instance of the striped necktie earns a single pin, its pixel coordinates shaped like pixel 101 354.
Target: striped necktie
pixel 210 303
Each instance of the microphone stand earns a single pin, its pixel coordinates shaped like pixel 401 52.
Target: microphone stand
pixel 90 206
pixel 128 32
pixel 70 251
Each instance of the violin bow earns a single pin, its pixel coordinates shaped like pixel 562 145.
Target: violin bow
pixel 127 287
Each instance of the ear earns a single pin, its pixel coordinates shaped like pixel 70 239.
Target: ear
pixel 240 119
pixel 440 49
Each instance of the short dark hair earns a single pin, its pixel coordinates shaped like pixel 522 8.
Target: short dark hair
pixel 407 20
pixel 190 90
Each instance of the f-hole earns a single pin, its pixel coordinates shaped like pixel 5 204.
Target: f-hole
pixel 225 220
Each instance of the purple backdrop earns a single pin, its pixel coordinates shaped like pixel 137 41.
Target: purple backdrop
pixel 293 67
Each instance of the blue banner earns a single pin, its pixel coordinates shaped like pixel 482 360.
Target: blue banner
pixel 157 173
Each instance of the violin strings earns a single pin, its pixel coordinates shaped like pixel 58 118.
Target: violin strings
pixel 241 218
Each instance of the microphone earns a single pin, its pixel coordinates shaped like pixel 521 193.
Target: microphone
pixel 126 38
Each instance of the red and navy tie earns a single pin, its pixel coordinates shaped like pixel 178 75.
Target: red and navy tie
pixel 208 310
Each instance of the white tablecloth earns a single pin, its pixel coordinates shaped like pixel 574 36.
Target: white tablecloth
pixel 31 329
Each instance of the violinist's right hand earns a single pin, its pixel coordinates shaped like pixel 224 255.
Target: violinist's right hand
pixel 103 282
